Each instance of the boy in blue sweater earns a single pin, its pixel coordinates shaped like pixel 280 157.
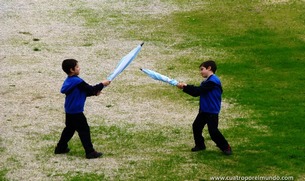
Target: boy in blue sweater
pixel 76 91
pixel 210 92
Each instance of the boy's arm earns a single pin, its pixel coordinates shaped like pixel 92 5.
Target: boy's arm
pixel 197 90
pixel 89 89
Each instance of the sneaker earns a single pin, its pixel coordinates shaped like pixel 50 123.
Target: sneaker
pixel 61 151
pixel 93 154
pixel 227 151
pixel 197 148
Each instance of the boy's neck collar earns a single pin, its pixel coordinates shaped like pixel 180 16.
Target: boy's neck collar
pixel 210 75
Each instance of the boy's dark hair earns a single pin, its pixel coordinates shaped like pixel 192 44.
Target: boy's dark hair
pixel 68 64
pixel 209 63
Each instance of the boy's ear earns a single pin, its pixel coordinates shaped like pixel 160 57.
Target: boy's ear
pixel 209 68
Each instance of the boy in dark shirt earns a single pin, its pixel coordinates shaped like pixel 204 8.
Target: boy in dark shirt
pixel 210 92
pixel 76 91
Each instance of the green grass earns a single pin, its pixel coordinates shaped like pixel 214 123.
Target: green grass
pixel 2 175
pixel 260 53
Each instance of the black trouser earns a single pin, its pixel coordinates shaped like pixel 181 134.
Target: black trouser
pixel 212 121
pixel 76 122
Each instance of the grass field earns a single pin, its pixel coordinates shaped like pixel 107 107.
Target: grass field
pixel 144 126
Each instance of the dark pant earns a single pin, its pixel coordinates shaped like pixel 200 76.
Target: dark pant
pixel 212 121
pixel 76 122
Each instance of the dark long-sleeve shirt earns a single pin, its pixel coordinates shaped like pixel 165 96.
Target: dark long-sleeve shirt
pixel 89 89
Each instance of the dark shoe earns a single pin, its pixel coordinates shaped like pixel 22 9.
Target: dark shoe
pixel 197 148
pixel 93 154
pixel 61 151
pixel 227 151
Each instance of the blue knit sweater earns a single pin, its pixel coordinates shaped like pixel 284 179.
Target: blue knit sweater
pixel 210 92
pixel 76 91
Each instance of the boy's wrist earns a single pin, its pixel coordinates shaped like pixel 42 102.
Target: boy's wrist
pixel 181 85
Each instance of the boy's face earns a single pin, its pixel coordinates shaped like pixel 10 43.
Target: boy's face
pixel 205 72
pixel 76 70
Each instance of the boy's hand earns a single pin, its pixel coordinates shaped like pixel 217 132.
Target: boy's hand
pixel 181 85
pixel 106 82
